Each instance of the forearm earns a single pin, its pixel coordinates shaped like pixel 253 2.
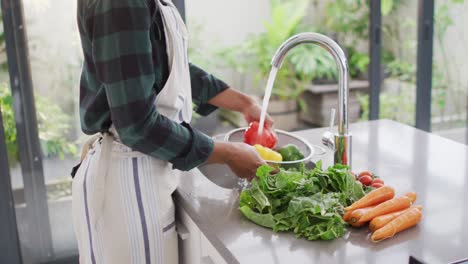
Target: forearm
pixel 162 138
pixel 220 153
pixel 232 99
pixel 205 86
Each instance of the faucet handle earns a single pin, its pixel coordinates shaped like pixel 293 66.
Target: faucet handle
pixel 328 138
pixel 332 118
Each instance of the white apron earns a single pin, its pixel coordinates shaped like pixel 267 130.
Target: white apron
pixel 122 206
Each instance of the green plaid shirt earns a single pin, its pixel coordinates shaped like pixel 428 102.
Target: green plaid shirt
pixel 125 67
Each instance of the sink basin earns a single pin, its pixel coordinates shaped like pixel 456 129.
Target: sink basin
pixel 222 175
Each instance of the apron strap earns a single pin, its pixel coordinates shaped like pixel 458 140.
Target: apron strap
pixel 89 145
pixel 84 151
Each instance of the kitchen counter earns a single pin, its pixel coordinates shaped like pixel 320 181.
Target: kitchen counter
pixel 406 158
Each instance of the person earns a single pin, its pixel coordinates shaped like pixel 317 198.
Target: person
pixel 136 93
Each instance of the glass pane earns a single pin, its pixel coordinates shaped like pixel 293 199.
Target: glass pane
pixel 6 106
pixel 347 22
pixel 55 58
pixel 399 48
pixel 450 82
pixel 306 87
pixel 214 36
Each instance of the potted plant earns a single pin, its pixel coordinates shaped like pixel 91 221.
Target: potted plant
pixel 347 22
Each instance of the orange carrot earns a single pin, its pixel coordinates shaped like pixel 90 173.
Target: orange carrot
pixel 347 215
pixel 412 196
pixel 390 206
pixel 356 224
pixel 382 220
pixel 374 197
pixel 358 213
pixel 402 222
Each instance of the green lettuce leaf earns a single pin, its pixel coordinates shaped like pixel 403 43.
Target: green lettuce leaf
pixel 265 220
pixel 309 203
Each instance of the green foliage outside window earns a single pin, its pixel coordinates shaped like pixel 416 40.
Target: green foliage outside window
pixel 345 20
pixel 400 106
pixel 304 63
pixel 54 126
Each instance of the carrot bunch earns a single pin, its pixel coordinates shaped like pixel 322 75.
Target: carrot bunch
pixel 385 214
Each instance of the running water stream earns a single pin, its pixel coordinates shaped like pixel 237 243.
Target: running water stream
pixel 266 98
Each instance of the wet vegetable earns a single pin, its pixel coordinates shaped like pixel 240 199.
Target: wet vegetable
pixel 291 152
pixel 268 138
pixel 268 154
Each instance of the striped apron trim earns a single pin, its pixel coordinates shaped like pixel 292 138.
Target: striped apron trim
pixel 132 197
pixel 131 217
pixel 152 209
pixel 85 193
pixel 141 210
pixel 168 227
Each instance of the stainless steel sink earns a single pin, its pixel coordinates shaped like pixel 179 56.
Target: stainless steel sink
pixel 222 176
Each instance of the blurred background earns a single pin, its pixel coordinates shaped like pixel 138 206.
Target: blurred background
pixel 235 40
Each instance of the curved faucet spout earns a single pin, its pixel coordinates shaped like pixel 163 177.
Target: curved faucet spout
pixel 340 58
pixel 343 138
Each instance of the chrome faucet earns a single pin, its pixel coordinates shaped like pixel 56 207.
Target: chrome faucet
pixel 339 142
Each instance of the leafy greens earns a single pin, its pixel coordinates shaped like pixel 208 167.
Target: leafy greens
pixel 308 202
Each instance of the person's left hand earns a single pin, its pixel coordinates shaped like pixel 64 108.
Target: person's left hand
pixel 252 113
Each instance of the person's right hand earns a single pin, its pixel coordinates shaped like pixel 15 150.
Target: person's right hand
pixel 240 157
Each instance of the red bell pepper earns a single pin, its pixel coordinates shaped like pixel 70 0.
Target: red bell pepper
pixel 268 138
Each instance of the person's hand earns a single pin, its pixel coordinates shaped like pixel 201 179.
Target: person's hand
pixel 235 100
pixel 240 157
pixel 252 113
pixel 244 161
